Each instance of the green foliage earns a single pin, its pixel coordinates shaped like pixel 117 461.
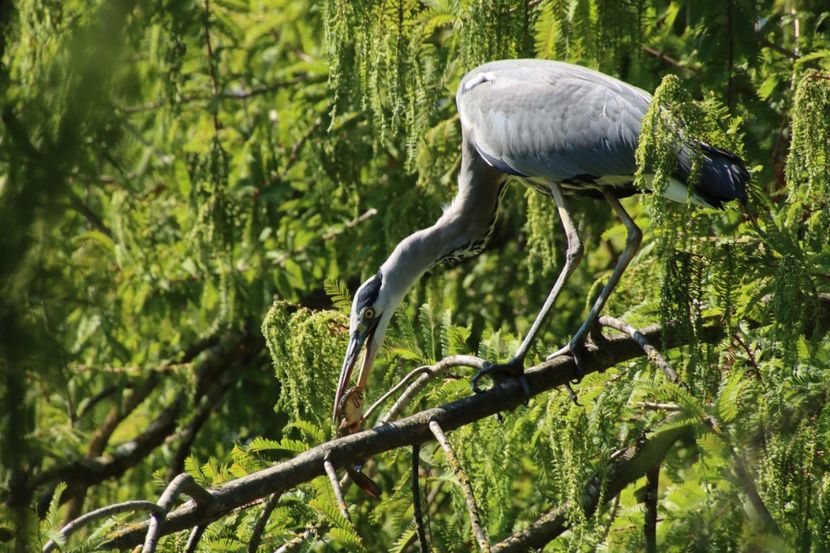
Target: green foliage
pixel 306 359
pixel 212 167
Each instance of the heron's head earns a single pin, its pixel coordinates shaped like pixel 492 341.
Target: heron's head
pixel 372 309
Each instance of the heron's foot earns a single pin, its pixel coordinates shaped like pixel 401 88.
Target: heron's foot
pixel 576 349
pixel 501 371
pixel 577 346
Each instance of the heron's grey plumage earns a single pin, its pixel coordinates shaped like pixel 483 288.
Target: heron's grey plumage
pixel 552 120
pixel 558 122
pixel 567 130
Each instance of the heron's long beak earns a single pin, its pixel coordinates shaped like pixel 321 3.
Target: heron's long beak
pixel 352 353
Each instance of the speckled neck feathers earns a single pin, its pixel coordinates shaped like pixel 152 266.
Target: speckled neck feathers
pixel 462 231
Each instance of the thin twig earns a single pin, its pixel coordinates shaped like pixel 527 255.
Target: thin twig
pixel 183 483
pixel 668 59
pixel 295 149
pixel 394 389
pixel 650 519
pixel 653 354
pixel 416 499
pixel 331 233
pixel 92 516
pixel 745 478
pixel 262 522
pixel 328 235
pixel 338 493
pixel 210 401
pixel 736 335
pixel 455 465
pixel 765 43
pixel 653 406
pixel 239 94
pixel 78 205
pixel 297 540
pixel 193 539
pixel 440 367
pixel 211 66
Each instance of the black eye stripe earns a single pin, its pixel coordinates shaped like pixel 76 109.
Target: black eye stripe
pixel 368 295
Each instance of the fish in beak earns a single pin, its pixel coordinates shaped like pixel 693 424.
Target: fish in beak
pixel 363 334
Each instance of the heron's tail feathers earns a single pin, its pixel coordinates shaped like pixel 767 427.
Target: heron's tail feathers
pixel 723 175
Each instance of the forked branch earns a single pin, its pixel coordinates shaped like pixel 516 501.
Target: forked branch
pixel 405 432
pixel 464 480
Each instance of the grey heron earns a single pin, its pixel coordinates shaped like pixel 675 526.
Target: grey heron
pixel 563 129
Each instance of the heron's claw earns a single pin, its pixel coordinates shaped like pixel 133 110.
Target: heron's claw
pixel 512 369
pixel 575 348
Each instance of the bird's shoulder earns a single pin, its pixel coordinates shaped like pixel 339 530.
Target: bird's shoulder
pixel 528 84
pixel 551 119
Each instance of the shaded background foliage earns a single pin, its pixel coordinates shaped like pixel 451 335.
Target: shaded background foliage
pixel 176 173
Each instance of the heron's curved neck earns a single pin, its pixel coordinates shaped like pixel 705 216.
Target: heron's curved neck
pixel 467 221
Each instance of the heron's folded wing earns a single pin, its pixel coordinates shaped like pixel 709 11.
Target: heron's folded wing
pixel 551 120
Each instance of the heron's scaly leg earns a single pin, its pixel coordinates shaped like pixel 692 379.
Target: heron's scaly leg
pixel 632 244
pixel 515 367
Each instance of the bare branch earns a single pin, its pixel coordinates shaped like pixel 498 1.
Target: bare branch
pixel 653 355
pixel 765 43
pixel 650 499
pixel 625 468
pixel 237 94
pixel 103 512
pixel 193 539
pixel 208 403
pixel 262 522
pixel 652 406
pixel 670 60
pixel 296 541
pixel 78 205
pixel 91 471
pixel 338 493
pixel 396 388
pixel 392 435
pixel 469 498
pixel 328 235
pixel 416 499
pixel 183 483
pixel 441 367
pixel 745 478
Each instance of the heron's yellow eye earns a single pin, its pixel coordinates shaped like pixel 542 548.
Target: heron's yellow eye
pixel 369 313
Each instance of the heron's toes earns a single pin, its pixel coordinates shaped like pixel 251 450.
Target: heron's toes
pixel 577 350
pixel 512 369
pixel 560 352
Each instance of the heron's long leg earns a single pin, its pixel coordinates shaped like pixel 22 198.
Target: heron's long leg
pixel 572 257
pixel 632 244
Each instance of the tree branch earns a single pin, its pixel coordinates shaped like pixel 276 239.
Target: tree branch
pixel 625 468
pixel 335 486
pixel 262 522
pixel 405 432
pixel 183 483
pixel 416 499
pixel 464 480
pixel 92 516
pixel 650 500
